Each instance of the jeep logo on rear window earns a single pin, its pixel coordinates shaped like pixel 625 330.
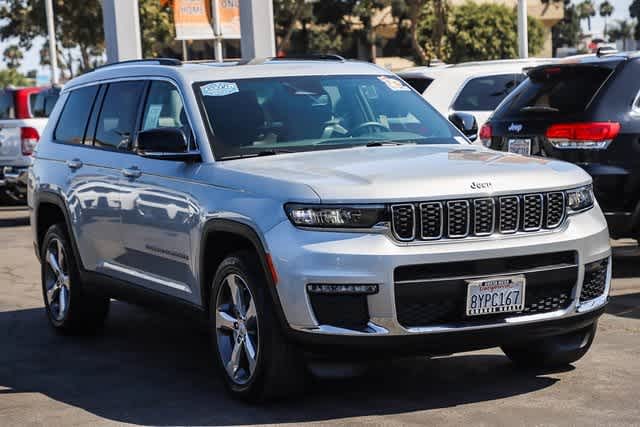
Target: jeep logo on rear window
pixel 515 127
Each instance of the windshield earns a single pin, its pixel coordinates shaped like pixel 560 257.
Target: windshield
pixel 264 116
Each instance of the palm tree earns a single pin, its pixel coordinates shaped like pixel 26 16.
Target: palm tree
pixel 623 31
pixel 606 10
pixel 13 56
pixel 586 10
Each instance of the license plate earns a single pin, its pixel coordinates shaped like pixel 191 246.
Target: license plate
pixel 495 295
pixel 520 146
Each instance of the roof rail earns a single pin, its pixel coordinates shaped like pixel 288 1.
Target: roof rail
pixel 606 50
pixel 309 57
pixel 172 62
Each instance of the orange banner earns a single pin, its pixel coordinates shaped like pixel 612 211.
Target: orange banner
pixel 227 15
pixel 192 19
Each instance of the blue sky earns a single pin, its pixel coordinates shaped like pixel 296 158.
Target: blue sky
pixel 32 58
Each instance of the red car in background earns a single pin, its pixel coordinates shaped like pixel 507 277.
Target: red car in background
pixel 23 116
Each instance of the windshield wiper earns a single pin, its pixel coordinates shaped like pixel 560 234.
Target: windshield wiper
pixel 271 152
pixel 385 143
pixel 539 109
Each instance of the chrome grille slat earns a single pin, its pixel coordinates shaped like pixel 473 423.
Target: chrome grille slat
pixel 554 209
pixel 431 221
pixel 455 219
pixel 458 219
pixel 532 212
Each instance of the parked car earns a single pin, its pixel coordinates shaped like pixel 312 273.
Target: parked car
pixel 308 208
pixel 471 87
pixel 23 116
pixel 585 111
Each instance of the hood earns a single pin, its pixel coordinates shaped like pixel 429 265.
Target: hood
pixel 412 172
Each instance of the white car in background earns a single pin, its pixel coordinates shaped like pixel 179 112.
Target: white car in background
pixel 470 87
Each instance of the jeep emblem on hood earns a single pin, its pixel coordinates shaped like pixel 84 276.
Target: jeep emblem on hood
pixel 481 185
pixel 515 127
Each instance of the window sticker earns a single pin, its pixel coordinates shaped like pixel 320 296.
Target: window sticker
pixel 393 84
pixel 153 116
pixel 219 89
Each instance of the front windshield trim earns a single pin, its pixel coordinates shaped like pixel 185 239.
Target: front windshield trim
pixel 450 135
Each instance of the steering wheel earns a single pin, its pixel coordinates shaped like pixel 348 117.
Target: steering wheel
pixel 358 129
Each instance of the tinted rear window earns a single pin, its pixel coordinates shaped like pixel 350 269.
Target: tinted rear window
pixel 485 93
pixel 557 89
pixel 118 115
pixel 418 83
pixel 6 105
pixel 42 103
pixel 76 111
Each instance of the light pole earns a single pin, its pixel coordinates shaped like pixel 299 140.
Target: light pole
pixel 53 56
pixel 523 41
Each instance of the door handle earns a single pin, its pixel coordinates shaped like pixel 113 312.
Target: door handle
pixel 74 164
pixel 132 172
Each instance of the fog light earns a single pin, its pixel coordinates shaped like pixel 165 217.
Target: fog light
pixel 328 289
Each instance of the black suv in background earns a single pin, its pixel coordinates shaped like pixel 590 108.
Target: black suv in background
pixel 585 111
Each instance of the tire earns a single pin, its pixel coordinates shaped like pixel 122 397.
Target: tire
pixel 70 309
pixel 553 352
pixel 246 324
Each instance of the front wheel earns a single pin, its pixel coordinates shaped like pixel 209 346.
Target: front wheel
pixel 552 352
pixel 256 360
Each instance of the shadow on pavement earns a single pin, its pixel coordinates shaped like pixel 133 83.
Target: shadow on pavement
pixel 149 369
pixel 627 305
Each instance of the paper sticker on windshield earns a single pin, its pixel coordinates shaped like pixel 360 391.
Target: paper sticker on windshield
pixel 219 89
pixel 393 84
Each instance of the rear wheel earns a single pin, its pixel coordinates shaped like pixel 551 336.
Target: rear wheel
pixel 552 352
pixel 69 307
pixel 256 361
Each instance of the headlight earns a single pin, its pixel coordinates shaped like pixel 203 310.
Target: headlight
pixel 335 216
pixel 580 199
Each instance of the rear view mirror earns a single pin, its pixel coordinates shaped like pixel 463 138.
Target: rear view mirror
pixel 466 123
pixel 165 143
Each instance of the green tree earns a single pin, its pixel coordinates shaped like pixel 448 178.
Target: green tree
pixel 634 12
pixel 157 28
pixel 566 32
pixel 366 11
pixel 488 31
pixel 586 10
pixel 11 77
pixel 13 56
pixel 606 10
pixel 622 31
pixel 287 15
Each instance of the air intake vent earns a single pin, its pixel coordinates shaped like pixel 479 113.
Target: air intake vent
pixel 431 220
pixel 458 219
pixel 404 220
pixel 532 217
pixel 555 207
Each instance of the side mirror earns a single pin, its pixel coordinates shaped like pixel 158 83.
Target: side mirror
pixel 466 123
pixel 165 143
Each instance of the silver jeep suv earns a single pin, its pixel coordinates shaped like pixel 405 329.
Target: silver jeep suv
pixel 308 208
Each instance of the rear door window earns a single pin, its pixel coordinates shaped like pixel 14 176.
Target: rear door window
pixel 43 102
pixel 75 113
pixel 485 93
pixel 118 115
pixel 7 109
pixel 558 89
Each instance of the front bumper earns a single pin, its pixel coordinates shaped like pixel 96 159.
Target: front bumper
pixel 302 257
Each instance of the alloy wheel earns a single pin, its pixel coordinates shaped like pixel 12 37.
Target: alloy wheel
pixel 57 282
pixel 236 322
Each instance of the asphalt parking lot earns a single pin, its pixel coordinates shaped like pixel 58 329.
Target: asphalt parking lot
pixel 148 368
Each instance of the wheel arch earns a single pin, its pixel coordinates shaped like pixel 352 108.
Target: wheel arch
pixel 221 237
pixel 50 209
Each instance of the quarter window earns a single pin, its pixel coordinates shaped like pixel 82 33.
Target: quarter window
pixel 485 93
pixel 74 116
pixel 118 115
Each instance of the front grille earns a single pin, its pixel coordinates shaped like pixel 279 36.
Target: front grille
pixel 595 280
pixel 436 294
pixel 456 219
